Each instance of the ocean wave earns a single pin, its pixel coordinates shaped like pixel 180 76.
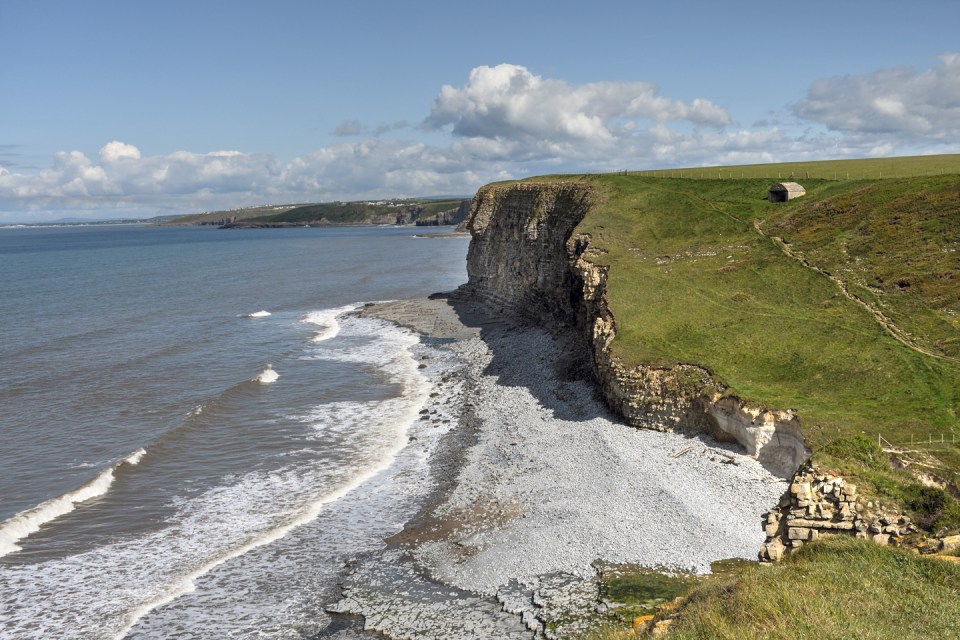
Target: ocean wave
pixel 267 376
pixel 360 440
pixel 27 522
pixel 257 314
pixel 327 318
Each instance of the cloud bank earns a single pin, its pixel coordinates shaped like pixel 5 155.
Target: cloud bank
pixel 504 122
pixel 904 105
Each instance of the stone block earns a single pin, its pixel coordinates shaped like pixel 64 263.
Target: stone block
pixel 771 529
pixel 798 533
pixel 773 551
pixel 881 538
pixel 950 543
pixel 801 490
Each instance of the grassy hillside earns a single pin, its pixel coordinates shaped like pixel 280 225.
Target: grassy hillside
pixel 217 217
pixel 868 169
pixel 693 280
pixel 833 589
pixel 842 305
pixel 896 244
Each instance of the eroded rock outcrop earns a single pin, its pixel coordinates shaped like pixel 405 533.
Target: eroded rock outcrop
pixel 525 259
pixel 820 504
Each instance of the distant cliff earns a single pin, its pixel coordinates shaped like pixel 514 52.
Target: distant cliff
pixel 384 212
pixel 526 259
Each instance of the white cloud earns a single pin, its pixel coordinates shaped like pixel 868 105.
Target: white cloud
pixel 116 150
pixel 505 122
pixel 509 101
pixel 910 107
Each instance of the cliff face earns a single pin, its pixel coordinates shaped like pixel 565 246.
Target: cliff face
pixel 455 215
pixel 525 259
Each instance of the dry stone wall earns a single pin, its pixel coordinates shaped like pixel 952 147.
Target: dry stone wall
pixel 819 504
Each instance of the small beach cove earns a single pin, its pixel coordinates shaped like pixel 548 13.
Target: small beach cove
pixel 537 486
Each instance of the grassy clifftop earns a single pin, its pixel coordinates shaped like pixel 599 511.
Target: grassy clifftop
pixel 696 277
pixel 841 304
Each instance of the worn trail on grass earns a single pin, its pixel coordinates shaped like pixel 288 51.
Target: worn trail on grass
pixel 886 323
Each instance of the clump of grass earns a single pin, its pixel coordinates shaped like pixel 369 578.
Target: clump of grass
pixel 834 588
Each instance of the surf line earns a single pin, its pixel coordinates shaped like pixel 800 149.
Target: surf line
pixel 327 318
pixel 418 392
pixel 27 522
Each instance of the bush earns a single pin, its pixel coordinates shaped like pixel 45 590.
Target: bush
pixel 859 448
pixel 934 508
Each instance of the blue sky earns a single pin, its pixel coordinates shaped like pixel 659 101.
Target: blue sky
pixel 144 108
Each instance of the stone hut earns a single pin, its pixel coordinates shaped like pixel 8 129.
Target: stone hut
pixel 783 191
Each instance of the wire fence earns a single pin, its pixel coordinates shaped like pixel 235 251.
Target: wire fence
pixel 926 440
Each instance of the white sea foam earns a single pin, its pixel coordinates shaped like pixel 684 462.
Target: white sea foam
pixel 327 318
pixel 267 376
pixel 257 314
pixel 27 522
pixel 227 521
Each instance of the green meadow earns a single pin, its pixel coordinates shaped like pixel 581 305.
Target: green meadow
pixel 841 305
pixel 866 169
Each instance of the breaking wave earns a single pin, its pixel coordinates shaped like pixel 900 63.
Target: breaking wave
pixel 267 376
pixel 327 319
pixel 27 522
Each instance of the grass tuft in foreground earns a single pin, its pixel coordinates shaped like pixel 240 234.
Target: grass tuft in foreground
pixel 835 588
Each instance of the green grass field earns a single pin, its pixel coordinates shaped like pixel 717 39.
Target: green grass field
pixel 692 280
pixel 836 588
pixel 866 169
pixel 786 304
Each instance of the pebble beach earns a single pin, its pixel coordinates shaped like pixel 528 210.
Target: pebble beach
pixel 536 483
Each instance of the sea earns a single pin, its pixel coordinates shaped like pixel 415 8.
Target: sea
pixel 196 433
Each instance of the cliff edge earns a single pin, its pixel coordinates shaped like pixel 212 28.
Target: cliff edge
pixel 527 259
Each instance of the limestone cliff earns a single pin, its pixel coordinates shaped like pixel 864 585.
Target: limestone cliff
pixel 527 260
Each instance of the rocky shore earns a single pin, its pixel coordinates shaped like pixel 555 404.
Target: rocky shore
pixel 536 483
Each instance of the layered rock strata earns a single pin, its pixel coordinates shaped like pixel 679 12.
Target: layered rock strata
pixel 820 504
pixel 526 260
